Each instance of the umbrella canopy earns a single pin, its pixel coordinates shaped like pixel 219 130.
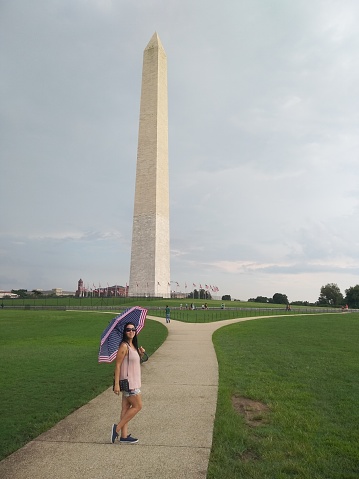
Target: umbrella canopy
pixel 112 336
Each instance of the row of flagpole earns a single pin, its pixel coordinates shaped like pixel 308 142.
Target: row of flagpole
pixel 206 287
pixel 98 291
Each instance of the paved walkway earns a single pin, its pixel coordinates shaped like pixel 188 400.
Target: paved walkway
pixel 175 426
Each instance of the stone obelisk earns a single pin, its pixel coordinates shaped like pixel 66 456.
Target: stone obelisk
pixel 150 254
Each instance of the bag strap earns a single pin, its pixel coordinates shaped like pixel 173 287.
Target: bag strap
pixel 128 356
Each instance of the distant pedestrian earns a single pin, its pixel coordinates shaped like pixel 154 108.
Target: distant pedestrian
pixel 168 311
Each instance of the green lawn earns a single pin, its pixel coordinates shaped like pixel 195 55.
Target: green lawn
pixel 49 368
pixel 206 316
pixel 305 370
pixel 151 303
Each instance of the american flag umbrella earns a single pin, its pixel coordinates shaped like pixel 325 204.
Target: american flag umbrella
pixel 112 336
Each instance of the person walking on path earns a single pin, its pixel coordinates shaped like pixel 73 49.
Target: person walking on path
pixel 128 366
pixel 168 311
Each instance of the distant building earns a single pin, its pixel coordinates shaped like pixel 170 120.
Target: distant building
pixel 108 292
pixel 8 294
pixel 57 292
pixel 80 292
pixel 175 294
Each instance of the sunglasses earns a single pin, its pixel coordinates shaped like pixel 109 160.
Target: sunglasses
pixel 130 329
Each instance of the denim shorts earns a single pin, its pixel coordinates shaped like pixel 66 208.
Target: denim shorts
pixel 131 392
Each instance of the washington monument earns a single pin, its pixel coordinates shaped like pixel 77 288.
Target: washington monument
pixel 150 254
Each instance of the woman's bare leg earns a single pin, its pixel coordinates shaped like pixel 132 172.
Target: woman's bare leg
pixel 135 407
pixel 125 407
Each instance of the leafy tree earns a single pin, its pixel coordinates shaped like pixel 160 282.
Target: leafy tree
pixel 330 295
pixel 226 297
pixel 352 296
pixel 261 299
pixel 279 298
pixel 36 292
pixel 203 294
pixel 194 294
pixel 22 293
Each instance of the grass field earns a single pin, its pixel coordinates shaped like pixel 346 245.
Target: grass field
pixel 210 315
pixel 49 368
pixel 151 303
pixel 288 399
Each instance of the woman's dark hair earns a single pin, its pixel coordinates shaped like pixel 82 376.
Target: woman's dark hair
pixel 134 340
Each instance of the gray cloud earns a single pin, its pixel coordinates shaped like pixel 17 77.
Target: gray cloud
pixel 263 142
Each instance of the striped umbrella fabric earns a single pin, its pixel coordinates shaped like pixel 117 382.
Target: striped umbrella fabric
pixel 112 336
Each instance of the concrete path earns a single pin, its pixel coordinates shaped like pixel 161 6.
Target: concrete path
pixel 175 426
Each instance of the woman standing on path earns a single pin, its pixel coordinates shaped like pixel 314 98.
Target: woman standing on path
pixel 128 366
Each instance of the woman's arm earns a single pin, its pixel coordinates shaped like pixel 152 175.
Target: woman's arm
pixel 121 353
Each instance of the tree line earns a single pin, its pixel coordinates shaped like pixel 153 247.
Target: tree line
pixel 330 295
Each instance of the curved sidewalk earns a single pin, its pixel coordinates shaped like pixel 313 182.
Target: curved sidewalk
pixel 175 426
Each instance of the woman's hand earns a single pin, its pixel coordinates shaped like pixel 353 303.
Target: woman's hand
pixel 117 390
pixel 141 350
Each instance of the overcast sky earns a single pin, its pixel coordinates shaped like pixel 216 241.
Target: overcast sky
pixel 263 142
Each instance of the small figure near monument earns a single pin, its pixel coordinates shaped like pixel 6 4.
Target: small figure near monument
pixel 168 312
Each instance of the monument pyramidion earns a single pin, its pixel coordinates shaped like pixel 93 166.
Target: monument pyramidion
pixel 150 253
